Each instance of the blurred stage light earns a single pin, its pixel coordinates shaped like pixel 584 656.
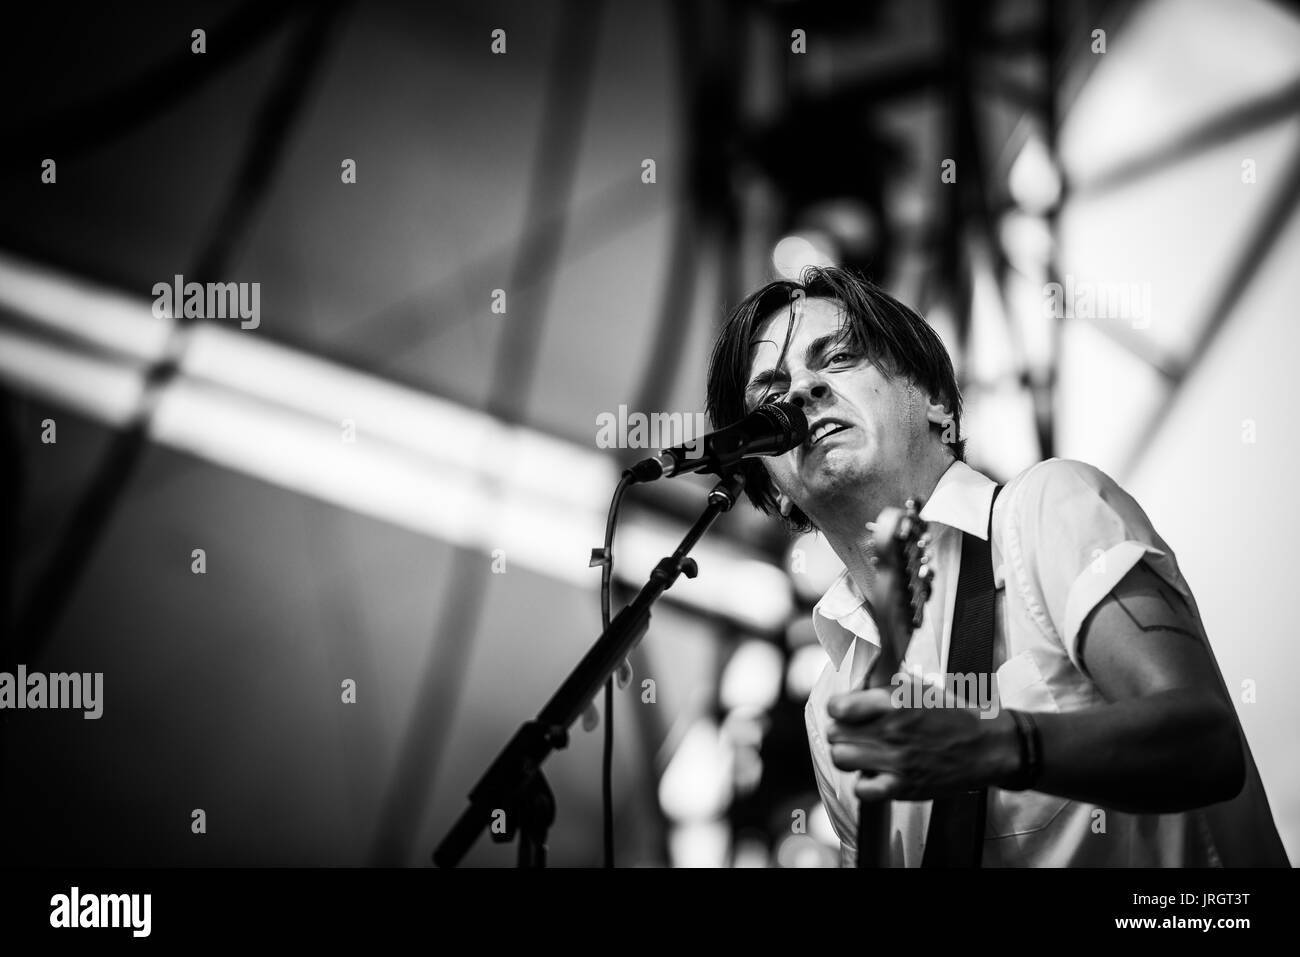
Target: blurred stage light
pixel 745 727
pixel 702 844
pixel 819 826
pixel 992 353
pixel 1027 241
pixel 751 852
pixel 85 384
pixel 1033 180
pixel 944 324
pixel 813 565
pixel 1002 416
pixel 802 850
pixel 847 225
pixel 749 770
pixel 752 676
pixel 805 667
pixel 742 731
pixel 795 253
pixel 417 461
pixel 743 589
pixel 799 631
pixel 105 318
pixel 696 786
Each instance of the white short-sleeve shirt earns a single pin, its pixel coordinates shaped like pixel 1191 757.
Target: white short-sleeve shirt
pixel 1064 534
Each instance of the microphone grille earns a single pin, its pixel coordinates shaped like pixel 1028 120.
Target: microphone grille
pixel 788 417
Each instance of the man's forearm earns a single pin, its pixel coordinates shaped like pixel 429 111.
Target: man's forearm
pixel 1161 753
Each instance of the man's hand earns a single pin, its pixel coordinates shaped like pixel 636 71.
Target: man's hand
pixel 918 753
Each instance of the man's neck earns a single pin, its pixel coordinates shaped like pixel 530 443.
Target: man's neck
pixel 853 543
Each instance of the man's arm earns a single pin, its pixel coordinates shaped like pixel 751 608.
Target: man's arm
pixel 1165 741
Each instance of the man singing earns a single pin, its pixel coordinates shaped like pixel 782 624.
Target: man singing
pixel 1115 742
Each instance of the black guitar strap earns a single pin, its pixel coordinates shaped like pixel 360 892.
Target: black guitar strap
pixel 956 834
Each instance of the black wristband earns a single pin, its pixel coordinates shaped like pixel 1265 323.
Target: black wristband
pixel 1031 749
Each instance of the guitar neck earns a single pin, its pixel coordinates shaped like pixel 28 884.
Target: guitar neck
pixel 875 826
pixel 896 601
pixel 883 667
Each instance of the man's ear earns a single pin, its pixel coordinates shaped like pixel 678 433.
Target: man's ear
pixel 784 503
pixel 937 413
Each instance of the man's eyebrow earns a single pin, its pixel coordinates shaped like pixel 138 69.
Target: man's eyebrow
pixel 815 348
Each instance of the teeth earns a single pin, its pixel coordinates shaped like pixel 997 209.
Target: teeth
pixel 822 430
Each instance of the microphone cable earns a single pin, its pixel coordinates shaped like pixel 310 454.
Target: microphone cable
pixel 606 559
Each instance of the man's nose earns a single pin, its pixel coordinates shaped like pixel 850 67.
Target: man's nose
pixel 806 389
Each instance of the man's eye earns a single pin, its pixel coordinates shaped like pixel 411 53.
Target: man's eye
pixel 773 396
pixel 843 357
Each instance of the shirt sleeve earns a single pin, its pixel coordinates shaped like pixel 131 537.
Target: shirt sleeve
pixel 1071 536
pixel 841 819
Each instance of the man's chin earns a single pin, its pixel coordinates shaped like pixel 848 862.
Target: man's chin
pixel 832 467
pixel 834 481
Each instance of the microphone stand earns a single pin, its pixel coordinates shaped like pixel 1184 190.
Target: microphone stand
pixel 514 785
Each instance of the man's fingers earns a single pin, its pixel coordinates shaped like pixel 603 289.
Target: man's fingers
pixel 859 706
pixel 877 787
pixel 861 756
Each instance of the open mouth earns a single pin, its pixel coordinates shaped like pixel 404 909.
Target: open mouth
pixel 823 430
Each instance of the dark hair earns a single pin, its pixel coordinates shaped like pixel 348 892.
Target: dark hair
pixel 894 336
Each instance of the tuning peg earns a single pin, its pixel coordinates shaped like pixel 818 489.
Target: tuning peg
pixel 926 573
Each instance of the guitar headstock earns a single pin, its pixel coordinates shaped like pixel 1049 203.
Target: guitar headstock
pixel 903 580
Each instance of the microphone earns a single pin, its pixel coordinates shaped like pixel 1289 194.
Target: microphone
pixel 768 430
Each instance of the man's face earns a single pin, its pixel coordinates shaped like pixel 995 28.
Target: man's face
pixel 865 429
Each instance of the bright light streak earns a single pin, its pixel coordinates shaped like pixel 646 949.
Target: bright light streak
pixel 96 389
pixel 417 460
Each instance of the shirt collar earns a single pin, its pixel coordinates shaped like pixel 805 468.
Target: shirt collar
pixel 961 499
